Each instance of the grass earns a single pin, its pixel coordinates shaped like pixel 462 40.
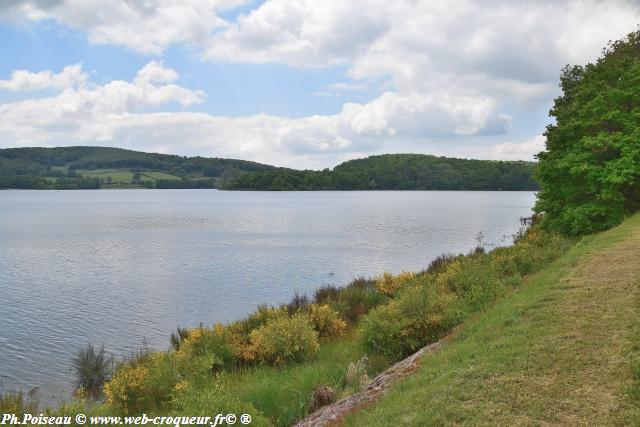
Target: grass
pixel 117 175
pixel 158 175
pixel 563 349
pixel 93 367
pixel 124 175
pixel 284 395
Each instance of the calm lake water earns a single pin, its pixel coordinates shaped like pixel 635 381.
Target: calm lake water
pixel 122 267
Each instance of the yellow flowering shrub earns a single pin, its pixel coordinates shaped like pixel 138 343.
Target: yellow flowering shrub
pixel 144 384
pixel 209 350
pixel 260 317
pixel 418 316
pixel 326 321
pixel 128 390
pixel 285 339
pixel 389 284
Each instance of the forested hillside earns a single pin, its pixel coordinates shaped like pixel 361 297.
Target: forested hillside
pixel 397 172
pixel 101 167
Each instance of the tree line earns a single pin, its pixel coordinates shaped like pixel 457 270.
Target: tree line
pixel 397 172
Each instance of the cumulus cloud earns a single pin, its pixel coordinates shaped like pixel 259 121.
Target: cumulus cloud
pixel 523 150
pixel 24 80
pixel 303 33
pixel 85 113
pixel 450 71
pixel 509 51
pixel 118 113
pixel 144 26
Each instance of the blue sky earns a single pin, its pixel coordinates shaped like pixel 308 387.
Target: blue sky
pixel 294 83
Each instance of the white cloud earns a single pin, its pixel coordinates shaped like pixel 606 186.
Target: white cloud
pixel 346 87
pixel 117 113
pixel 451 71
pixel 524 150
pixel 86 113
pixel 148 26
pixel 505 50
pixel 303 33
pixel 156 72
pixel 23 80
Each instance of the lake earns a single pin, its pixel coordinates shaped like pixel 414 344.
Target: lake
pixel 124 267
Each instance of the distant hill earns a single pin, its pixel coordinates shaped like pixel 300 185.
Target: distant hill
pixel 102 167
pixel 397 172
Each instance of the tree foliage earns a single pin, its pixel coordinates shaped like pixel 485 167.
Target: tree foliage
pixel 57 168
pixel 590 172
pixel 397 172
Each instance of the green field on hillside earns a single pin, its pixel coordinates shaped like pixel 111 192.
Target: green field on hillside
pixel 123 176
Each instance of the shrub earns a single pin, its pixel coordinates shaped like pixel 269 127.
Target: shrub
pixel 287 339
pixel 357 299
pixel 418 316
pixel 128 390
pixel 472 278
pixel 362 283
pixel 178 337
pixel 439 263
pixel 326 294
pixel 389 284
pixel 260 317
pixel 213 349
pixel 326 321
pixel 143 385
pixel 297 303
pixel 92 368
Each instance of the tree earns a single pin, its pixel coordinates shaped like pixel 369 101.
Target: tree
pixel 590 172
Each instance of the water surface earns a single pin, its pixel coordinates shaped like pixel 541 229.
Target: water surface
pixel 122 267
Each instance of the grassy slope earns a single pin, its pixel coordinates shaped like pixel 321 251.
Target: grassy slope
pixel 561 350
pixel 283 394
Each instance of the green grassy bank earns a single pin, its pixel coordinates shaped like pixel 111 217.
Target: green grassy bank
pixel 563 349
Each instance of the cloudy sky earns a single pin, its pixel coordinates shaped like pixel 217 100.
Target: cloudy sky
pixel 299 83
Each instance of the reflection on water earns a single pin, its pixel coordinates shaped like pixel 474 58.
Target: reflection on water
pixel 120 267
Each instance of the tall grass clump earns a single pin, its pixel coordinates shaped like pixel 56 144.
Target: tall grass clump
pixel 326 294
pixel 178 337
pixel 93 368
pixel 17 403
pixel 439 263
pixel 297 303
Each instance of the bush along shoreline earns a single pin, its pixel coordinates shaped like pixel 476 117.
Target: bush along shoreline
pixel 280 363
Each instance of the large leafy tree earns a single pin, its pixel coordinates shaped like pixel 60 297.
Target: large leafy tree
pixel 590 172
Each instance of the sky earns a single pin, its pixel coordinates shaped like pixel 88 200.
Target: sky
pixel 296 83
